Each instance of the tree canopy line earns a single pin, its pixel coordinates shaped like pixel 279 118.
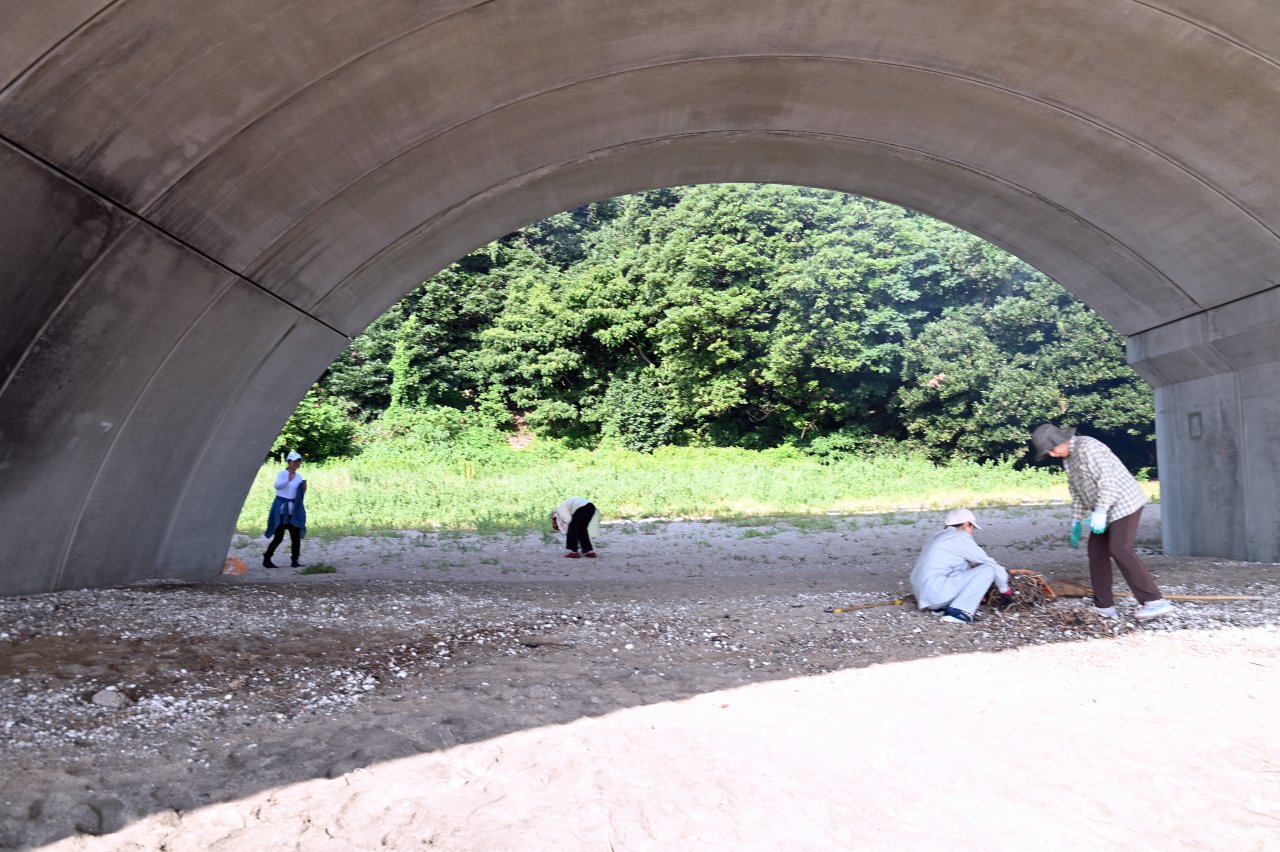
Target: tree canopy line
pixel 738 315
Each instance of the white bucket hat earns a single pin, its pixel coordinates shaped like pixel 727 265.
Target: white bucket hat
pixel 961 516
pixel 293 455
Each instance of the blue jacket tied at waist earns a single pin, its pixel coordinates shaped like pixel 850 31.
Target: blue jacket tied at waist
pixel 285 511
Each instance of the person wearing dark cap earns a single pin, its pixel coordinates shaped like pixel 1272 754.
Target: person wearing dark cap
pixel 953 573
pixel 287 511
pixel 1104 493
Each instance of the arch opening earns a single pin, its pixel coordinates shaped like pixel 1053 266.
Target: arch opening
pixel 749 316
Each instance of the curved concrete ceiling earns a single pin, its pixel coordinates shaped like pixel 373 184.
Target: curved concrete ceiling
pixel 207 200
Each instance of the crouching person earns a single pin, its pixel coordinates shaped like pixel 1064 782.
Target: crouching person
pixel 953 573
pixel 579 520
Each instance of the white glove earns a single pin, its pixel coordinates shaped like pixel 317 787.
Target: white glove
pixel 1098 521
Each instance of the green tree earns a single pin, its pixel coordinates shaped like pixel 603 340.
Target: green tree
pixel 403 375
pixel 319 428
pixel 975 381
pixel 748 315
pixel 637 412
pixel 421 348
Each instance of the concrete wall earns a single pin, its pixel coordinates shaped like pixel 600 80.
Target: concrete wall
pixel 116 459
pixel 1217 408
pixel 205 200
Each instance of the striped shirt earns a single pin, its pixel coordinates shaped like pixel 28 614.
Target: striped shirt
pixel 1099 481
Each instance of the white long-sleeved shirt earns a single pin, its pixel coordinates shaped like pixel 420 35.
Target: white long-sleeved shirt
pixel 949 553
pixel 564 514
pixel 286 487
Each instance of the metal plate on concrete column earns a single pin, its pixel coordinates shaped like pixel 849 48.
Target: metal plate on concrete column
pixel 1202 479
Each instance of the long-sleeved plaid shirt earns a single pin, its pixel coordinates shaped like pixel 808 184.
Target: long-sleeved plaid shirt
pixel 1099 481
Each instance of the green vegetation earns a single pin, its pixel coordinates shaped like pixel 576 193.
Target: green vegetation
pixel 318 568
pixel 321 424
pixel 394 487
pixel 728 351
pixel 739 316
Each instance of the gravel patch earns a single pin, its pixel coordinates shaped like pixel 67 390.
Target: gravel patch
pixel 170 695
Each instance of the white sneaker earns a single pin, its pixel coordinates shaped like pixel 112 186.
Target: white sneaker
pixel 1106 611
pixel 1151 609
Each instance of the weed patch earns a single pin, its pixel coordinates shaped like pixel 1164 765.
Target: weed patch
pixel 515 491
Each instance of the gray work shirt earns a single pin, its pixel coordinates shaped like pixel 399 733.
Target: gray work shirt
pixel 948 555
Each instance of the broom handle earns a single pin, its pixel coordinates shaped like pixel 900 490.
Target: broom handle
pixel 1200 597
pixel 894 602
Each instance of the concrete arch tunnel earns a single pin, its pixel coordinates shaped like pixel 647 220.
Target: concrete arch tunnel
pixel 203 202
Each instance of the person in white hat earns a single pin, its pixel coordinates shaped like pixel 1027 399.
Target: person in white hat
pixel 953 573
pixel 288 511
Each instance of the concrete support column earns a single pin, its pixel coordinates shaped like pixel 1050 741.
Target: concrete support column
pixel 1217 380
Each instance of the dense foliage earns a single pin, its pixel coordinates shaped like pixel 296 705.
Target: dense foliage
pixel 319 425
pixel 749 316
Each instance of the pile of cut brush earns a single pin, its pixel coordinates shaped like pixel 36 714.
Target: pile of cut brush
pixel 1029 590
pixel 1032 593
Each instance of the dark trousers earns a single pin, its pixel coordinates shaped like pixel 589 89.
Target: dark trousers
pixel 576 537
pixel 1117 543
pixel 295 539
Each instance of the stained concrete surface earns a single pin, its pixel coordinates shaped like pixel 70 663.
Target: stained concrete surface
pixel 204 203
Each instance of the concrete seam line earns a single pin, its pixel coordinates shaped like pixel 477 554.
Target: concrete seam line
pixel 145 222
pixel 1212 31
pixel 1209 308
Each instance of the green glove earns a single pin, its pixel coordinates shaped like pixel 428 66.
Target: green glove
pixel 1075 533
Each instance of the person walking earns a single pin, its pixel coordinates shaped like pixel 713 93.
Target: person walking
pixel 952 573
pixel 1106 494
pixel 579 519
pixel 288 511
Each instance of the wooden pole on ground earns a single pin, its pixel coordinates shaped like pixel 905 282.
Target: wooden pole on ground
pixel 1072 589
pixel 894 602
pixel 1201 597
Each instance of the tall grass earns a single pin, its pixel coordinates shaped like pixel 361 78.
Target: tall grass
pixel 401 487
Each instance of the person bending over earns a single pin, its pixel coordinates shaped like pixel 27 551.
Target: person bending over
pixel 1106 494
pixel 579 520
pixel 953 572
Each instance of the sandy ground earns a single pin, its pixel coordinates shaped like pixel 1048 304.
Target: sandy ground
pixel 686 690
